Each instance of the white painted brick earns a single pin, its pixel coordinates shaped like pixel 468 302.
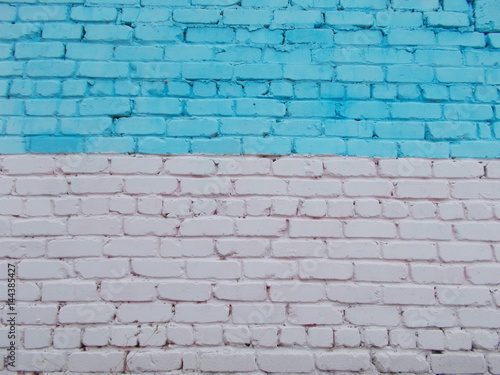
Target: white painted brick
pixel 403 338
pixel 180 335
pixel 367 207
pixel 268 227
pixel 94 226
pixel 265 337
pixel 484 339
pixel 375 337
pixel 297 167
pixel 313 208
pixel 370 229
pixel 205 186
pixel 213 269
pixel 122 204
pixel 377 271
pixel 307 314
pixel 37 338
pixel 292 336
pixel 353 293
pixel 93 185
pixel 296 292
pixel 479 189
pixel 201 313
pixel 372 315
pixel 241 291
pixel 38 207
pixel 28 165
pixel 190 166
pixel 437 274
pixel 37 360
pixel 178 207
pixel 69 291
pixel 409 251
pixel 67 338
pixel 451 210
pixel 74 248
pixel 422 189
pixel 429 317
pixel 127 165
pixel 408 295
pixel 315 228
pixel 325 269
pixel 458 168
pixel 102 268
pixel 150 185
pixel 348 167
pixel 394 209
pixel 269 269
pixel 425 230
pixel 315 188
pixel 238 335
pixel 368 188
pixel 298 248
pixel 124 290
pixel 353 249
pixel 244 166
pixel 401 362
pixel 149 205
pixel 457 339
pixel 243 248
pixel 260 186
pixel 34 314
pixel 344 360
pixel 479 318
pixel 347 336
pixel 158 268
pixel 478 210
pixel 483 274
pixel 155 312
pixel 152 336
pixel 96 361
pixel 405 168
pixel 463 296
pixel 123 336
pixel 185 290
pixel 478 231
pixel 186 247
pixel 43 269
pixel 38 227
pixel 154 360
pixel 81 163
pixel 464 252
pixel 493 169
pixel 431 339
pixel 207 226
pixel 458 363
pixel 227 361
pixel 285 361
pixel 493 361
pixel 320 337
pixel 258 313
pixel 87 313
pixel 284 206
pixel 231 207
pixel 141 247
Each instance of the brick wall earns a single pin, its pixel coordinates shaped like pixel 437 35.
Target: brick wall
pixel 244 264
pixel 386 78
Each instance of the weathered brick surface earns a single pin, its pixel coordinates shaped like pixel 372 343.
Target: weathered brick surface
pixel 218 265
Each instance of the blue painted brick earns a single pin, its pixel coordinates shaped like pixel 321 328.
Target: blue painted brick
pixel 112 145
pixel 245 126
pixel 318 146
pixel 400 130
pixel 31 126
pixel 145 15
pixel 259 107
pixel 216 146
pixel 260 36
pixel 50 68
pixel 39 50
pixel 65 31
pixel 192 127
pixel 153 70
pixel 452 130
pixel 90 51
pixel 306 128
pixel 157 106
pixel 196 15
pixel 269 146
pixel 372 148
pixel 86 126
pixel 247 17
pixel 138 53
pixel 105 106
pixel 11 68
pixel 349 128
pixel 99 69
pixel 140 126
pixel 238 53
pixel 12 145
pixel 11 107
pixel 416 111
pixel 468 111
pixel 156 145
pixel 7 13
pixel 364 110
pixel 15 32
pixel 191 52
pixel 475 149
pixel 359 37
pixel 209 107
pixel 93 14
pixel 51 144
pixel 51 107
pixel 306 90
pixel 108 33
pixel 42 13
pixel 258 71
pixel 306 108
pixel 424 149
pixel 308 72
pixel 297 55
pixel 297 18
pixel 210 35
pixel 309 36
pixel 158 34
pixel 207 71
pixel 48 88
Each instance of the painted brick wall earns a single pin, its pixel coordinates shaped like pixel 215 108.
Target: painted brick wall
pixel 388 78
pixel 130 264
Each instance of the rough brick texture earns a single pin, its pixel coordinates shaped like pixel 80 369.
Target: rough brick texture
pixel 381 78
pixel 240 265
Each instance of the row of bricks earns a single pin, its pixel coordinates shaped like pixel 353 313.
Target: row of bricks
pixel 39 90
pixel 269 268
pixel 124 107
pixel 244 186
pixel 262 36
pixel 307 268
pixel 244 126
pixel 227 71
pixel 249 361
pixel 248 165
pixel 260 207
pixel 298 54
pixel 306 314
pixel 233 16
pixel 421 5
pixel 213 226
pixel 286 336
